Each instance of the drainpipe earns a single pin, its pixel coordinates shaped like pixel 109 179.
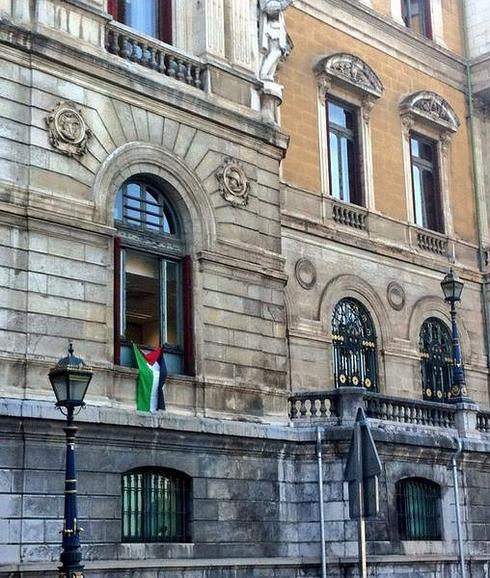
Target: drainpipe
pixel 454 460
pixel 320 492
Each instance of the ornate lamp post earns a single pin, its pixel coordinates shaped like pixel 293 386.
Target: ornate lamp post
pixel 452 288
pixel 69 379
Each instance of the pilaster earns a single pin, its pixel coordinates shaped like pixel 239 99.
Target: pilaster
pixel 241 32
pixel 209 28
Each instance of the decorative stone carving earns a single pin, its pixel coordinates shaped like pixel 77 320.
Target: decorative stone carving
pixel 305 273
pixel 275 45
pixel 396 295
pixel 68 132
pixel 429 106
pixel 234 184
pixel 351 70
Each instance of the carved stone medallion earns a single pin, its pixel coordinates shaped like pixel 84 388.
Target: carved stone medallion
pixel 68 132
pixel 233 181
pixel 396 295
pixel 305 273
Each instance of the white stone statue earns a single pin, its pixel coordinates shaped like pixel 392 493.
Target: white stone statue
pixel 274 43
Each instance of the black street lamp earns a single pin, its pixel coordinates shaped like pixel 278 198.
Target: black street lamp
pixel 70 378
pixel 452 288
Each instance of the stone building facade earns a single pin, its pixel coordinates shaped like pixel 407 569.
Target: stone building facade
pixel 222 125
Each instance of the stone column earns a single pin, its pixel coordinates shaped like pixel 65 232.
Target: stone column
pixel 349 400
pixel 209 28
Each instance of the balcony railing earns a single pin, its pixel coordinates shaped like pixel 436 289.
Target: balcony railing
pixel 410 411
pixel 153 54
pixel 432 243
pixel 342 403
pixel 350 215
pixel 311 405
pixel 483 421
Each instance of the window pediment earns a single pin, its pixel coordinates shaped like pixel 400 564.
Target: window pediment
pixel 350 70
pixel 430 107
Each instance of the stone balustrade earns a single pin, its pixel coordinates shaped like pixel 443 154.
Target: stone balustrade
pixel 343 403
pixel 154 54
pixel 432 243
pixel 483 421
pixel 350 215
pixel 410 411
pixel 314 404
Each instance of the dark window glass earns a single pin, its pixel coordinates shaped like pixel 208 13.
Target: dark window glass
pixel 425 183
pixel 342 142
pixel 155 506
pixel 151 17
pixel 418 506
pixel 436 360
pixel 150 275
pixel 354 345
pixel 416 15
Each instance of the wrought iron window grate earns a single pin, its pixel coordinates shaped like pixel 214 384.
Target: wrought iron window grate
pixel 155 506
pixel 418 505
pixel 435 360
pixel 354 345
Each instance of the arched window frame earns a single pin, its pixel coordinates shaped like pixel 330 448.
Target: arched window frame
pixel 435 348
pixel 418 503
pixel 344 78
pixel 165 245
pixel 354 351
pixel 152 499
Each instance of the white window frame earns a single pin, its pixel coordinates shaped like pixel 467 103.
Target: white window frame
pixel 347 78
pixel 436 18
pixel 428 114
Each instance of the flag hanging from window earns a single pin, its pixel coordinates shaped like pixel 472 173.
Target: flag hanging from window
pixel 150 387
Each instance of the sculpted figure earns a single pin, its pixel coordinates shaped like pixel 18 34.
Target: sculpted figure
pixel 274 42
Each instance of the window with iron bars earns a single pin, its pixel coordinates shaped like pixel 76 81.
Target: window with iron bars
pixel 354 345
pixel 419 509
pixel 435 360
pixel 155 506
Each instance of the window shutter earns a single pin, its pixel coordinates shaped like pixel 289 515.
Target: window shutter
pixel 188 315
pixel 117 301
pixel 113 9
pixel 166 21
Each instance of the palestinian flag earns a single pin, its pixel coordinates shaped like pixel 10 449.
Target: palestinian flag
pixel 151 379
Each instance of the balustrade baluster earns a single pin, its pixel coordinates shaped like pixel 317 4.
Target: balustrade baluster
pixel 197 77
pixel 125 48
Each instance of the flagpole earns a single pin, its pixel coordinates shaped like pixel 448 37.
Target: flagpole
pixel 361 523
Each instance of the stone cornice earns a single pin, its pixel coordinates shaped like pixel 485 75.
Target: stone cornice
pixel 380 31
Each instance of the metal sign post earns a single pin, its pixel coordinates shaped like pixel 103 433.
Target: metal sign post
pixel 362 471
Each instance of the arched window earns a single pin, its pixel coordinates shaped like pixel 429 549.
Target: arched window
pixel 435 360
pixel 152 276
pixel 419 509
pixel 155 506
pixel 354 345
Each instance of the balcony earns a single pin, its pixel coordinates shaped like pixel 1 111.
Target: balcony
pixel 154 54
pixel 340 405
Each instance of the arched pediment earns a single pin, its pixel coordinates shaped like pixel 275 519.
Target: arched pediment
pixel 350 70
pixel 431 107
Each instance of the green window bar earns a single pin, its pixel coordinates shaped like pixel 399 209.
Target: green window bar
pixel 418 505
pixel 155 506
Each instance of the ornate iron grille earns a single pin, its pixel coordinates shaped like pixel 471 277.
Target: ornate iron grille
pixel 354 345
pixel 155 506
pixel 435 360
pixel 418 506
